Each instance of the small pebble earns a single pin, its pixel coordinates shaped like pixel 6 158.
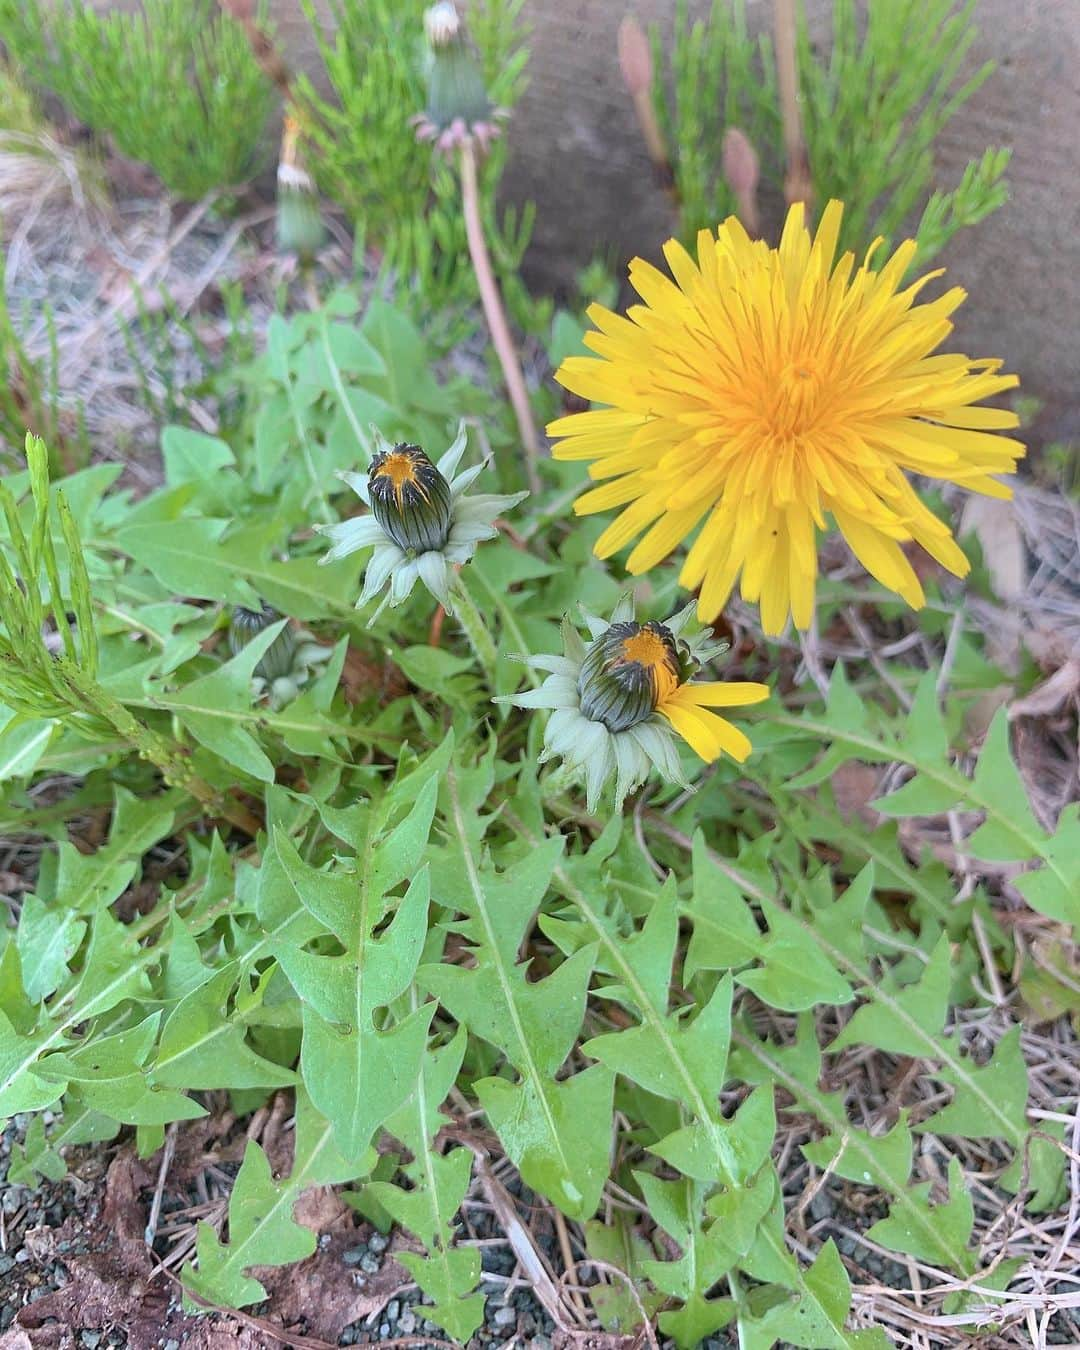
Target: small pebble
pixel 171 1344
pixel 384 1331
pixel 354 1256
pixel 393 1310
pixel 6 1263
pixel 369 1264
pixel 505 1317
pixel 407 1325
pixel 90 1339
pixel 821 1207
pixel 22 1256
pixel 378 1242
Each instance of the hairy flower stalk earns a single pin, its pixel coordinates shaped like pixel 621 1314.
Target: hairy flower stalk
pixel 798 186
pixel 422 522
pixel 764 395
pixel 461 117
pixel 618 702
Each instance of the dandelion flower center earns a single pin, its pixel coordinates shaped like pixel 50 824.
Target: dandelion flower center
pixel 652 653
pixel 410 498
pixel 401 471
pixel 791 405
pixel 764 395
pixel 627 673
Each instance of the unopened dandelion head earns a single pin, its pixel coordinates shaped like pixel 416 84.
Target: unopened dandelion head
pixel 619 701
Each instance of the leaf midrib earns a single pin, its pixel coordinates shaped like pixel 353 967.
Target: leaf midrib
pixel 476 886
pixel 649 1012
pixel 947 776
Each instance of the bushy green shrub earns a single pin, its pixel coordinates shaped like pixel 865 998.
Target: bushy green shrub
pixel 403 202
pixel 871 115
pixel 174 85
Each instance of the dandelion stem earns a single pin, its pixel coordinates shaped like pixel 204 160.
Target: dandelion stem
pixel 797 183
pixel 496 315
pixel 475 629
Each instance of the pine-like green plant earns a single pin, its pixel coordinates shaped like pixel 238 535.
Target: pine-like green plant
pixel 174 85
pixel 718 77
pixel 403 203
pixel 30 393
pixel 874 101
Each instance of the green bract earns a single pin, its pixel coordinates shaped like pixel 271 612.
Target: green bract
pixel 458 107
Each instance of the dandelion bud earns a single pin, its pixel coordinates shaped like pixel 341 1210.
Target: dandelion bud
pixel 299 220
pixel 410 498
pixel 742 170
pixel 626 673
pixel 456 94
pixel 278 659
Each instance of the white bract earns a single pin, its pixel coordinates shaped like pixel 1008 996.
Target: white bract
pixel 471 519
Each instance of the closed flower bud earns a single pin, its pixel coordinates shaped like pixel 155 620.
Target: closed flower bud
pixel 626 673
pixel 299 220
pixel 278 659
pixel 410 498
pixel 456 91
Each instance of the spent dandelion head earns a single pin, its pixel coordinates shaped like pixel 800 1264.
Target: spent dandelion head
pixel 422 520
pixel 764 395
pixel 458 110
pixel 619 700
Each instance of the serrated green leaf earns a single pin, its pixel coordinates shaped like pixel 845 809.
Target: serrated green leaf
pixel 357 1074
pixel 949 1231
pixel 1054 890
pixel 188 557
pixel 883 1162
pixel 815 1315
pixel 47 939
pixel 203 1048
pixel 262 1230
pixel 705 1258
pixel 215 707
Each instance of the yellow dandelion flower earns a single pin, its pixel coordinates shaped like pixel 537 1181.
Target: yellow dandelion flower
pixel 764 392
